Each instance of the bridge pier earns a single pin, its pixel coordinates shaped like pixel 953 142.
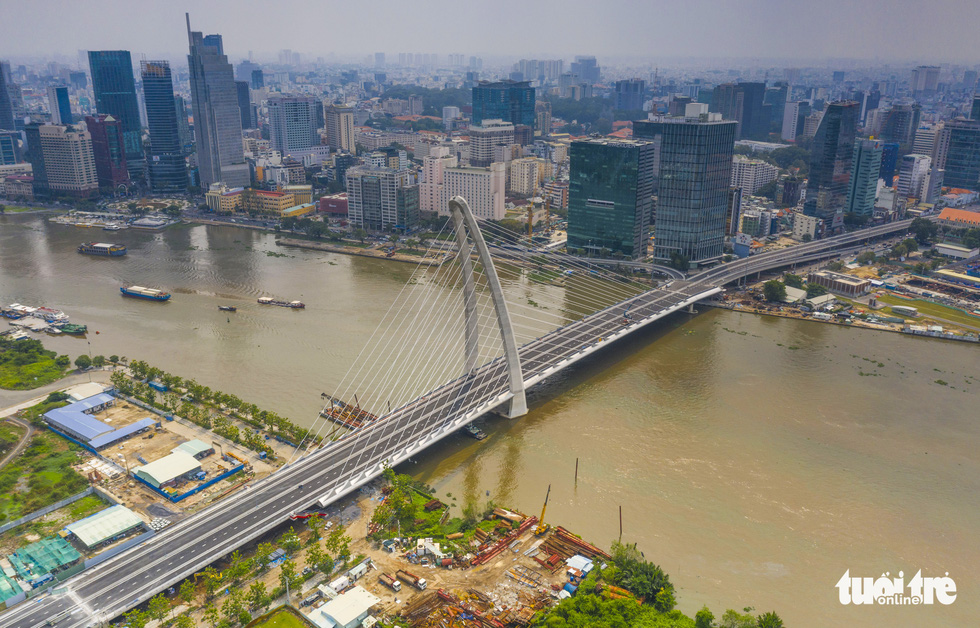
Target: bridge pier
pixel 690 309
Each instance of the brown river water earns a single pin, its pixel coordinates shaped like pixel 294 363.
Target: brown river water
pixel 752 459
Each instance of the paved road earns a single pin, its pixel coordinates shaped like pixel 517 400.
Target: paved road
pixel 325 475
pixel 26 438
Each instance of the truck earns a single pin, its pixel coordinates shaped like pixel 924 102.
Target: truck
pixel 410 578
pixel 390 582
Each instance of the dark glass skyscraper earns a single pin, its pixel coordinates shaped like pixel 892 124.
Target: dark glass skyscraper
pixel 744 103
pixel 975 111
pixel 830 160
pixel 9 147
pixel 244 104
pixel 109 150
pixel 115 94
pixel 59 105
pixel 889 162
pixel 694 171
pixel 6 107
pixel 258 79
pixel 963 156
pixel 610 196
pixel 168 171
pixel 630 94
pixel 511 101
pixel 217 119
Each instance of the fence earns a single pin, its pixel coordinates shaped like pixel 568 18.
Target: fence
pixel 40 512
pixel 196 489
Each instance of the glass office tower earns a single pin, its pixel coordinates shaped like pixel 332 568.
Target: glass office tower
pixel 115 95
pixel 167 168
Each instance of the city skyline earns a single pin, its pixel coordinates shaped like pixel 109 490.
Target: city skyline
pixel 759 30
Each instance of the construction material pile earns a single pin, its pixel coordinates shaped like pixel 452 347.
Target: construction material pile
pixel 564 544
pixel 471 609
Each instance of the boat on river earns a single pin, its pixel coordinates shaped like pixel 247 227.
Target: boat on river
pixel 296 305
pixel 103 249
pixel 139 292
pixel 227 308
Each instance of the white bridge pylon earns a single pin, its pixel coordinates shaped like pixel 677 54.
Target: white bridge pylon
pixel 466 224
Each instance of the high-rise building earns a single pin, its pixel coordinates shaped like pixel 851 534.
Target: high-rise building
pixel 432 191
pixel 485 137
pixel 483 188
pixel 512 101
pixel 752 174
pixel 245 104
pixel 183 125
pixel 258 79
pixel 610 196
pixel 776 97
pixel 292 123
pixel 115 94
pixel 59 105
pixel 900 123
pixel 975 110
pixel 449 114
pixel 9 147
pixel 167 167
pixel 963 157
pixel 542 118
pixel 889 162
pixel 630 94
pixel 406 207
pixel 830 161
pixel 340 128
pixel 924 81
pixel 863 186
pixel 109 150
pixel 924 142
pixel 217 119
pixel 692 180
pixel 587 68
pixel 214 41
pixel 912 172
pixel 6 106
pixel 525 176
pixel 64 154
pixel 970 80
pixel 744 103
pixel 372 196
pixel 379 59
pixel 78 80
pixel 795 114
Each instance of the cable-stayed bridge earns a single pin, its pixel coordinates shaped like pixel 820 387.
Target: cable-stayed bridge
pixel 462 339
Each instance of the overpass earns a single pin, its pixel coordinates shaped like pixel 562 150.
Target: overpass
pixel 329 472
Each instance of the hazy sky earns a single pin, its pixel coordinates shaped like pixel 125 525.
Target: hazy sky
pixel 886 30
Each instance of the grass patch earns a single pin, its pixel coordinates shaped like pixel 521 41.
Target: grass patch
pixel 410 252
pixel 26 364
pixel 928 308
pixel 40 476
pixel 282 618
pixel 16 209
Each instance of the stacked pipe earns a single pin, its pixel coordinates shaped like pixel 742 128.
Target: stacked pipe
pixel 499 546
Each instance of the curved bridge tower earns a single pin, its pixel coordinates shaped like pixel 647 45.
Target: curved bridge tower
pixel 466 224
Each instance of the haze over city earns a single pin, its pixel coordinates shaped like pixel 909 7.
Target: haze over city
pixel 886 31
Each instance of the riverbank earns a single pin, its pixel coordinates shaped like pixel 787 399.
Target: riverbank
pixel 361 252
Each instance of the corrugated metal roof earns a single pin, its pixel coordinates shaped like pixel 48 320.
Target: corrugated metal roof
pixel 192 447
pixel 80 423
pixel 168 468
pixel 104 525
pixel 122 432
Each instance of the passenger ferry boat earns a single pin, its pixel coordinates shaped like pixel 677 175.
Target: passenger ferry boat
pixel 139 292
pixel 102 248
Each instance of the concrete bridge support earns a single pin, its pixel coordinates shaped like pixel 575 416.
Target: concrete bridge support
pixel 466 225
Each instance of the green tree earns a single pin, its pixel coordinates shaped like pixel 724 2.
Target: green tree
pixel 814 290
pixel 83 361
pixel 734 619
pixel 98 361
pixel 315 556
pixel 680 261
pixel 186 592
pixel 137 618
pixel 290 540
pixel 238 568
pixel 257 596
pixel 211 580
pixel 114 359
pixel 774 290
pixel 807 238
pixel 211 615
pixel 793 280
pixel 63 361
pixel 315 525
pixel 287 574
pixel 910 245
pixel 704 618
pixel 184 621
pixel 158 607
pixel 768 191
pixel 770 620
pixel 924 229
pixel 665 599
pixel 836 266
pixel 865 257
pixel 360 234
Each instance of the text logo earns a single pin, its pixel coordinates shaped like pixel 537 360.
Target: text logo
pixel 893 591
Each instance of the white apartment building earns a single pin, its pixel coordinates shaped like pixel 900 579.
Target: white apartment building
pixel 525 176
pixel 483 188
pixel 912 172
pixel 485 137
pixel 69 159
pixel 340 128
pixel 751 174
pixel 432 191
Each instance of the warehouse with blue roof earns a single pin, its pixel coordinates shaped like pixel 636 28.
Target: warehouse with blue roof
pixel 77 423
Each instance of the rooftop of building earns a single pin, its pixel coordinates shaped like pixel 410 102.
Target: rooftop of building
pixel 840 277
pixel 169 467
pixel 104 525
pixel 613 141
pixel 960 215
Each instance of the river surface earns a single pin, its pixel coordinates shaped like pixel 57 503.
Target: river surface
pixel 755 459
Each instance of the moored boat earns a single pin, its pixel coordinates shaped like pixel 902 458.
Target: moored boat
pixel 103 249
pixel 474 432
pixel 72 328
pixel 296 305
pixel 139 292
pixel 227 308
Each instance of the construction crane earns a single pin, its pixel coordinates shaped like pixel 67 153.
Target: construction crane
pixel 530 221
pixel 542 526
